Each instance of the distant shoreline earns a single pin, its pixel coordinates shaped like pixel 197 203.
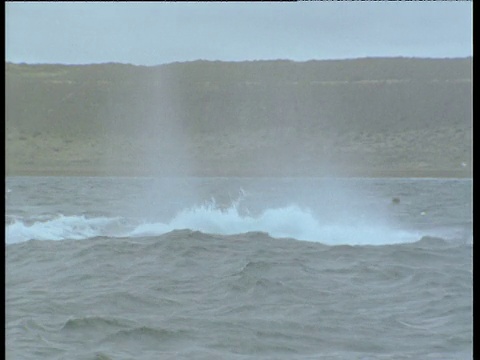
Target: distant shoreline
pixel 366 173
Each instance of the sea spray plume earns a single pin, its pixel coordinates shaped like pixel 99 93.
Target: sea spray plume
pixel 209 217
pixel 148 137
pixel 164 128
pixel 159 144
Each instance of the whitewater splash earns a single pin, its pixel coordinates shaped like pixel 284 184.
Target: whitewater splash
pixel 61 228
pixel 285 222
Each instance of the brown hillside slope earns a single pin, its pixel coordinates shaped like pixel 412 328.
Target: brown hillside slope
pixel 364 117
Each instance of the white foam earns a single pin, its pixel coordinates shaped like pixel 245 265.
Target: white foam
pixel 60 228
pixel 285 222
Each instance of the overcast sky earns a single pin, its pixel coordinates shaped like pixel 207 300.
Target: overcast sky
pixel 145 33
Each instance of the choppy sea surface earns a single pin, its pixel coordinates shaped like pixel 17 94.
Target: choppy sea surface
pixel 238 268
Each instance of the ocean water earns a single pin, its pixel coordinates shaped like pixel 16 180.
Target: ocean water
pixel 238 268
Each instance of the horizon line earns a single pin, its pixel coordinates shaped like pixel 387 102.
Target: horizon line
pixel 241 61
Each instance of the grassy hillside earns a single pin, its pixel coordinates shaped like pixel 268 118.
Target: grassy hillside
pixel 395 116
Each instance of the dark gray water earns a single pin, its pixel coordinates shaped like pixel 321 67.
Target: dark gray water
pixel 141 268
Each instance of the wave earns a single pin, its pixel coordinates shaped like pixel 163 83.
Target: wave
pixel 90 323
pixel 285 222
pixel 61 228
pixel 144 333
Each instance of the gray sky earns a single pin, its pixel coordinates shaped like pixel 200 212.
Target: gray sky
pixel 145 33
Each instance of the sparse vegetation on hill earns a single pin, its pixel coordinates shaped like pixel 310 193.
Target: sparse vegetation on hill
pixel 392 116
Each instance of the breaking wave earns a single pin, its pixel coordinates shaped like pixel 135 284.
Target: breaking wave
pixel 60 228
pixel 285 222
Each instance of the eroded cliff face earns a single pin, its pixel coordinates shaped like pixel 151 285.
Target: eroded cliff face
pixel 367 117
